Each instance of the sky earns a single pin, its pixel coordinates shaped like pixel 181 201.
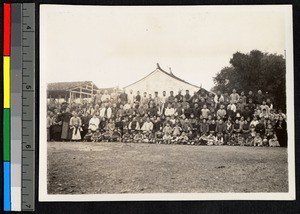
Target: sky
pixel 116 46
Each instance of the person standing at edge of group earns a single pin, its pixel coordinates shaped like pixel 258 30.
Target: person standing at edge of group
pixel 281 131
pixel 65 131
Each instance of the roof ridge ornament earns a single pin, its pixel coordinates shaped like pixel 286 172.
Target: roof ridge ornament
pixel 171 71
pixel 157 64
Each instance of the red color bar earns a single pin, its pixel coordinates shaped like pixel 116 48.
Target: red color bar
pixel 6 29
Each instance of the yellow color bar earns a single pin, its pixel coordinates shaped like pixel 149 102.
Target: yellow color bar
pixel 6 82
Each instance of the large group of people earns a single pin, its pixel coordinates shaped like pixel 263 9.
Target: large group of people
pixel 201 118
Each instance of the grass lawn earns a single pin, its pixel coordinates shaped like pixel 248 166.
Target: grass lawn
pixel 95 168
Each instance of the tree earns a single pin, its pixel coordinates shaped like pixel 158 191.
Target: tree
pixel 252 72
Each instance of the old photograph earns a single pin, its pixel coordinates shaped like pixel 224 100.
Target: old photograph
pixel 166 103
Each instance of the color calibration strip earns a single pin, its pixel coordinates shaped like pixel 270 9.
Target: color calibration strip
pixel 6 106
pixel 18 106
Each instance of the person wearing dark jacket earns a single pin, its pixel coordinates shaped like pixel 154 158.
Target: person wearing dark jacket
pixel 281 132
pixel 260 128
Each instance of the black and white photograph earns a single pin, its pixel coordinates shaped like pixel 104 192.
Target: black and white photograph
pixel 166 103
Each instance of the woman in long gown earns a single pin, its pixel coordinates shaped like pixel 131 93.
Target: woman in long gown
pixel 65 130
pixel 55 132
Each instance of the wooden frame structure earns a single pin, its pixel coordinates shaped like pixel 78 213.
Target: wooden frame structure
pixel 71 90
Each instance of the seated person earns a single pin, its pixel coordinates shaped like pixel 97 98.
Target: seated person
pixel 126 138
pixel 273 141
pixel 184 139
pixel 211 140
pixel 88 136
pixel 233 140
pixel 167 138
pixel 191 137
pixel 241 140
pixel 134 125
pixel 236 127
pixel 176 130
pixel 167 129
pixel 138 137
pixel 106 136
pixel 265 141
pixel 257 141
pixel 96 137
pixel 115 136
pixel 219 139
pixel 151 138
pixel 249 141
pixel 203 139
pixel 158 136
pixel 147 126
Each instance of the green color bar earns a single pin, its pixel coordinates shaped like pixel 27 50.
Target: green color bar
pixel 6 134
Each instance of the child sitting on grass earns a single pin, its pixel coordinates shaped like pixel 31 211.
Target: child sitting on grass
pixel 257 141
pixel 88 136
pixel 241 140
pixel 211 140
pixel 273 141
pixel 96 137
pixel 252 131
pixel 146 138
pixel 184 139
pixel 167 138
pixel 138 137
pixel 203 139
pixel 158 136
pixel 167 129
pixel 126 138
pixel 219 139
pixel 115 136
pixel 265 141
pixel 151 138
pixel 191 137
pixel 106 136
pixel 176 130
pixel 233 140
pixel 249 141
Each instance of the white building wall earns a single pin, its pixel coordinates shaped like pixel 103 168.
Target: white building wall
pixel 159 81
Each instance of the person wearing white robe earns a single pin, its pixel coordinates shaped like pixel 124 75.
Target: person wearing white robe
pixel 147 126
pixel 94 123
pixel 169 111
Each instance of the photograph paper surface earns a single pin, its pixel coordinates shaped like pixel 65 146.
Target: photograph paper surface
pixel 166 103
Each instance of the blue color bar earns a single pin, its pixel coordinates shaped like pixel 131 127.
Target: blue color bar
pixel 7 193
